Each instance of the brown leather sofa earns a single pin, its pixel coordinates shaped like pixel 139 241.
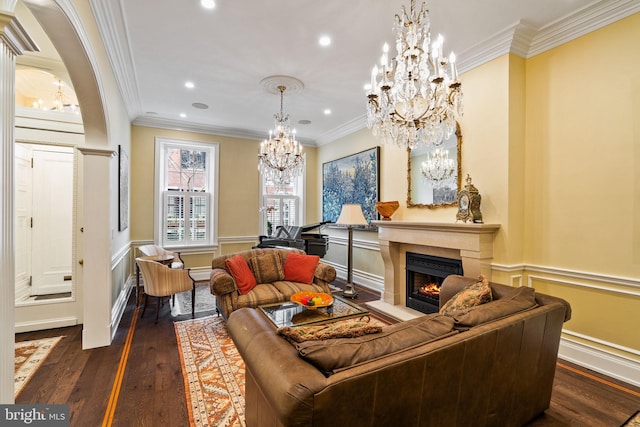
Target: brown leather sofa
pixel 228 299
pixel 496 373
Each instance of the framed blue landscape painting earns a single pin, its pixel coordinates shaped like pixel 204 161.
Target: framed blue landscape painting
pixel 351 179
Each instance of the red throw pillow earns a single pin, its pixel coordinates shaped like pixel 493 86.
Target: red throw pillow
pixel 300 268
pixel 239 269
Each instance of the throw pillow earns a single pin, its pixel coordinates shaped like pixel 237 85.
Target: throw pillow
pixel 470 296
pixel 239 269
pixel 333 355
pixel 324 332
pixel 267 267
pixel 521 299
pixel 300 268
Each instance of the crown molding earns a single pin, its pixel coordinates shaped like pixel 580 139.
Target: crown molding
pixel 590 18
pixel 345 129
pixel 110 21
pixel 163 123
pixel 522 39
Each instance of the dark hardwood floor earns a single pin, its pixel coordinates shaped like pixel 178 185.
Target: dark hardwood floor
pixel 152 389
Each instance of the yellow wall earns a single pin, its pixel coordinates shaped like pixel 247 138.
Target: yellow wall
pixel 239 197
pixel 552 143
pixel 582 208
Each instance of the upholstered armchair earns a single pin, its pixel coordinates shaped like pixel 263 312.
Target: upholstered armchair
pixel 161 281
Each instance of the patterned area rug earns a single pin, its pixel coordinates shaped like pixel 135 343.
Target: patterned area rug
pixel 634 421
pixel 29 356
pixel 213 372
pixel 205 301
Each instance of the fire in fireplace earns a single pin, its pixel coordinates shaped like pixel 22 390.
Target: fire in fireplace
pixel 425 274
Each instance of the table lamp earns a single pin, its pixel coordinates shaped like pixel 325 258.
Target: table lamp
pixel 350 215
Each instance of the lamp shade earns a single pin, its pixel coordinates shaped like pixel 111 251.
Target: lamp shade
pixel 351 214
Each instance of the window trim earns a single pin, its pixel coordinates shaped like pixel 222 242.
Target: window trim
pixel 160 174
pixel 301 195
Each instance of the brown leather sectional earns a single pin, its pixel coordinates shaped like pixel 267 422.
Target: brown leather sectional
pixel 495 373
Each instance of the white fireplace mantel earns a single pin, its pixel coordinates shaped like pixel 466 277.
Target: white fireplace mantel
pixel 470 243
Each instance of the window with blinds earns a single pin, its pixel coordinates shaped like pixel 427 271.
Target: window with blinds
pixel 186 183
pixel 282 204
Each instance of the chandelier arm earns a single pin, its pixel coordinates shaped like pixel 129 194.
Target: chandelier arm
pixel 413 100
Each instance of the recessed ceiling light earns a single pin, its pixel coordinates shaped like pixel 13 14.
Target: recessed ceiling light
pixel 304 122
pixel 324 40
pixel 183 115
pixel 200 105
pixel 208 4
pixel 327 111
pixel 189 85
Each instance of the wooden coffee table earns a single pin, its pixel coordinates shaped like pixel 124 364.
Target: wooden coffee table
pixel 292 314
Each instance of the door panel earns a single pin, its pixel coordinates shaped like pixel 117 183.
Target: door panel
pixel 52 222
pixel 23 220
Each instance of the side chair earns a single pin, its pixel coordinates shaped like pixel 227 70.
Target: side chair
pixel 154 250
pixel 161 281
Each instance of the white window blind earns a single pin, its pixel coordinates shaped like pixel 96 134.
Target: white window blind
pixel 282 204
pixel 186 185
pixel 185 221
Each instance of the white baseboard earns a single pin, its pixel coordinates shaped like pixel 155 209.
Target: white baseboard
pixel 362 278
pixel 39 325
pixel 118 308
pixel 597 360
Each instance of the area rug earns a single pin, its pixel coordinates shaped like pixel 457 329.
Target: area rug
pixel 213 372
pixel 634 421
pixel 205 301
pixel 29 356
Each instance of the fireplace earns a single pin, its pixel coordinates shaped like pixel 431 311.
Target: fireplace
pixel 425 274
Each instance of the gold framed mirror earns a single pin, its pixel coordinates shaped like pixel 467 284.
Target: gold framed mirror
pixel 423 192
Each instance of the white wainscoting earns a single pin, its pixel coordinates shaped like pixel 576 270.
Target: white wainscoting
pixel 581 349
pixel 123 279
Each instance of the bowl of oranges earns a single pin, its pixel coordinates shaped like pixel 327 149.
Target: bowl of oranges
pixel 312 300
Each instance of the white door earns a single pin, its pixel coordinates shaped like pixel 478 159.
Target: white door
pixel 51 225
pixel 23 220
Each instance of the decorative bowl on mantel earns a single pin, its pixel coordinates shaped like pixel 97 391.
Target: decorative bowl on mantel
pixel 386 209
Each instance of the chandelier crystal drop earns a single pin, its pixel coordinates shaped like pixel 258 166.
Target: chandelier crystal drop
pixel 415 98
pixel 439 169
pixel 280 158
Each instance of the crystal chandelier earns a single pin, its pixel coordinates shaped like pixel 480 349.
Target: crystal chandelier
pixel 58 102
pixel 415 98
pixel 280 158
pixel 439 168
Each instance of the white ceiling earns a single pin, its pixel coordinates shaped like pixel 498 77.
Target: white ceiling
pixel 155 46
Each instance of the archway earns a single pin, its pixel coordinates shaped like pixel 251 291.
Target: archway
pixel 69 30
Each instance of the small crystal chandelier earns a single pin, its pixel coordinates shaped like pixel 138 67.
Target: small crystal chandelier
pixel 280 158
pixel 439 169
pixel 413 99
pixel 58 102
